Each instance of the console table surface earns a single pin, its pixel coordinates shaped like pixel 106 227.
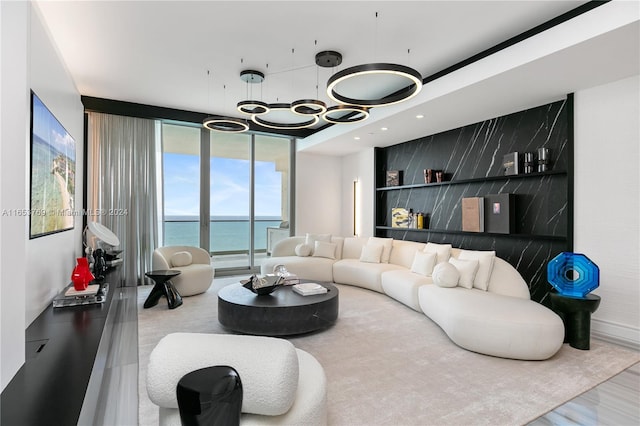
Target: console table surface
pixel 61 347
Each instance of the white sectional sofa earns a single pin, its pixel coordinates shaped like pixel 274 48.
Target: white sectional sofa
pixel 480 301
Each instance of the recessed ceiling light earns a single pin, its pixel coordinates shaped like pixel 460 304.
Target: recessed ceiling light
pixel 383 128
pixel 357 138
pixel 419 116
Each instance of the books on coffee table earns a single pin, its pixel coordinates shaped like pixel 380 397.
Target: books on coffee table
pixel 308 289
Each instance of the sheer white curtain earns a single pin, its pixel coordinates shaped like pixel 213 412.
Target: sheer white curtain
pixel 121 187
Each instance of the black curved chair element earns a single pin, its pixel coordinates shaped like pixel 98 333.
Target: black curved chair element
pixel 210 396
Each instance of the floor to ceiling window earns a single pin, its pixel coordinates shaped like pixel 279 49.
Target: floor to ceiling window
pixel 180 185
pixel 237 206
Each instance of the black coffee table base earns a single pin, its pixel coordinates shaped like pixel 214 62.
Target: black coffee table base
pixel 163 287
pixel 281 313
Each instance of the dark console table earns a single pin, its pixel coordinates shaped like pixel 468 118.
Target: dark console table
pixel 61 347
pixel 280 313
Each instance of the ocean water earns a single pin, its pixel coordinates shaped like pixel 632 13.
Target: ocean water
pixel 225 233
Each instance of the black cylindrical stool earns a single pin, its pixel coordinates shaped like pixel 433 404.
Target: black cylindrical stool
pixel 210 396
pixel 576 316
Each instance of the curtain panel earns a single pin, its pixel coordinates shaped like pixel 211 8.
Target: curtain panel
pixel 121 187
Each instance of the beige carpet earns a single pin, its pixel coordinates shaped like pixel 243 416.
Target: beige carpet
pixel 389 365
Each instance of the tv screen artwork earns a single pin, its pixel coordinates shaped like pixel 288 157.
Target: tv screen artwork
pixel 53 173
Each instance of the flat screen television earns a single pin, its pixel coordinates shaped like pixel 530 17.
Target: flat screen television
pixel 53 173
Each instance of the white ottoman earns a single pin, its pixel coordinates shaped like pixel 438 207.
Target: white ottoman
pixel 281 384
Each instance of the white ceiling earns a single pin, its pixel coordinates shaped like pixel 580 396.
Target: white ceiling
pixel 159 53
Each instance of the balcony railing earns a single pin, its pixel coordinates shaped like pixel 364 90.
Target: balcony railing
pixel 227 236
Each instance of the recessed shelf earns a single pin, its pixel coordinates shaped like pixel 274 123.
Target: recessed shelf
pixel 488 234
pixel 474 180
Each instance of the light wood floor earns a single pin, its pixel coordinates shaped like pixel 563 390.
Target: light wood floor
pixel 614 402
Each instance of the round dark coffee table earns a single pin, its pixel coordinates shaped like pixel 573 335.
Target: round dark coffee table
pixel 280 313
pixel 163 287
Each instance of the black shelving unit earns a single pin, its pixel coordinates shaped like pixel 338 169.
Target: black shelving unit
pixel 471 157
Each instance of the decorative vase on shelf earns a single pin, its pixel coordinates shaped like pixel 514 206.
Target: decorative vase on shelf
pixel 81 275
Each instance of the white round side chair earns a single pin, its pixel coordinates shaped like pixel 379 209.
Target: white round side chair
pixel 194 264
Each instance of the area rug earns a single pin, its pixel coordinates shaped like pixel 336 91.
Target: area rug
pixel 389 365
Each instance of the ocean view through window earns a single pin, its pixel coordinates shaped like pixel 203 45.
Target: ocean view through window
pixel 224 195
pixel 224 231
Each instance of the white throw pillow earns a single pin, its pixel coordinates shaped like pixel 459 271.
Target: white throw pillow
pixel 485 266
pixel 423 263
pixel 371 253
pixel 324 249
pixel 387 245
pixel 303 250
pixel 445 275
pixel 312 238
pixel 467 269
pixel 181 258
pixel 443 251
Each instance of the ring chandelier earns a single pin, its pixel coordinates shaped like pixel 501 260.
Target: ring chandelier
pixel 350 109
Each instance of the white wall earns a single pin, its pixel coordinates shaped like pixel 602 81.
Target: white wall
pixel 606 201
pixel 318 194
pixel 14 124
pixel 31 271
pixel 358 167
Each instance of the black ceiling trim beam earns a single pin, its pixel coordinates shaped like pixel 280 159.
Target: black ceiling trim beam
pixel 151 112
pixel 517 39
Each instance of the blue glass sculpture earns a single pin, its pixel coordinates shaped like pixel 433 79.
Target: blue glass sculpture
pixel 573 274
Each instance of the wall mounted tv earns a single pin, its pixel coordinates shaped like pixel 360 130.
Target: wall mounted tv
pixel 53 173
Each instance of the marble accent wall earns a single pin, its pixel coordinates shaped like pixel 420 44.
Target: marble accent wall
pixel 472 159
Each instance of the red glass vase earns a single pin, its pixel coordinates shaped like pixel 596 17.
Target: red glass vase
pixel 81 275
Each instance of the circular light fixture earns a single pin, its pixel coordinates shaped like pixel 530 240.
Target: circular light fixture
pixel 309 107
pixel 284 126
pixel 412 77
pixel 253 107
pixel 225 124
pixel 353 114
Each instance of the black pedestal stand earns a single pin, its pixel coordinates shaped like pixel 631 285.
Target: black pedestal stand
pixel 576 315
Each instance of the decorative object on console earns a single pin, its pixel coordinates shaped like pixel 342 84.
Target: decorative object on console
pixel 499 213
pixel 511 164
pixel 573 274
pixel 529 162
pixel 94 294
pixel 473 214
pixel 97 239
pixel 544 160
pixel 81 275
pixel 439 176
pixel 394 177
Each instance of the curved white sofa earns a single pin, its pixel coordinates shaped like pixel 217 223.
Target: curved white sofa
pixel 497 318
pixel 284 385
pixel 196 269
